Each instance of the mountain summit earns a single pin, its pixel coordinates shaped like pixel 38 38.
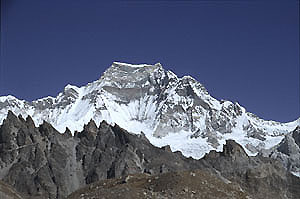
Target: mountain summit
pixel 147 98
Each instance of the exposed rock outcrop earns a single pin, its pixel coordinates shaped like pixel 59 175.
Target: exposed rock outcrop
pixel 42 163
pixel 288 152
pixel 39 162
pixel 8 192
pixel 261 177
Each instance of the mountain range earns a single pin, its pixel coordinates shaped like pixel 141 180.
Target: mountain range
pixel 147 98
pixel 107 129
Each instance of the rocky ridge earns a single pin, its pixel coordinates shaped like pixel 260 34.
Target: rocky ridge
pixel 40 162
pixel 288 151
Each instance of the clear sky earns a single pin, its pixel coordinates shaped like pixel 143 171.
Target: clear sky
pixel 244 51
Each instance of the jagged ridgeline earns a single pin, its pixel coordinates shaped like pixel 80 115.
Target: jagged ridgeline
pixel 40 162
pixel 80 137
pixel 147 98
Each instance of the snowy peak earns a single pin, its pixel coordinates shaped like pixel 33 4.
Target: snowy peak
pixel 122 64
pixel 123 75
pixel 147 98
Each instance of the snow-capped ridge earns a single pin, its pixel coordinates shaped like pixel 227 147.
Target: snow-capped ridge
pixel 130 65
pixel 147 98
pixel 69 86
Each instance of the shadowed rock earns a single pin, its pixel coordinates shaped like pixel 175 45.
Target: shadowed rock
pixel 39 162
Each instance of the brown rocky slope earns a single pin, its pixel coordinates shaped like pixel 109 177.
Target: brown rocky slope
pixel 177 185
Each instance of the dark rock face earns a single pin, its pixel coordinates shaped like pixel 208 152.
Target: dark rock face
pixel 35 160
pixel 260 176
pixel 288 151
pixel 8 192
pixel 296 135
pixel 42 163
pixel 111 152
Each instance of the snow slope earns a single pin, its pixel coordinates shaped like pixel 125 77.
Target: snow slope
pixel 146 98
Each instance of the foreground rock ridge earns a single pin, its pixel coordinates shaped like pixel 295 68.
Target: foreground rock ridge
pixel 147 98
pixel 40 162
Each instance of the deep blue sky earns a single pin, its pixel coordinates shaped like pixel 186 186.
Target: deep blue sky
pixel 245 51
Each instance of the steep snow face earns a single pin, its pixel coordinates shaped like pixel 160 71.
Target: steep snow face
pixel 146 98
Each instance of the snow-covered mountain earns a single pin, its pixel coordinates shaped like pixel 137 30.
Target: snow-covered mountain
pixel 169 110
